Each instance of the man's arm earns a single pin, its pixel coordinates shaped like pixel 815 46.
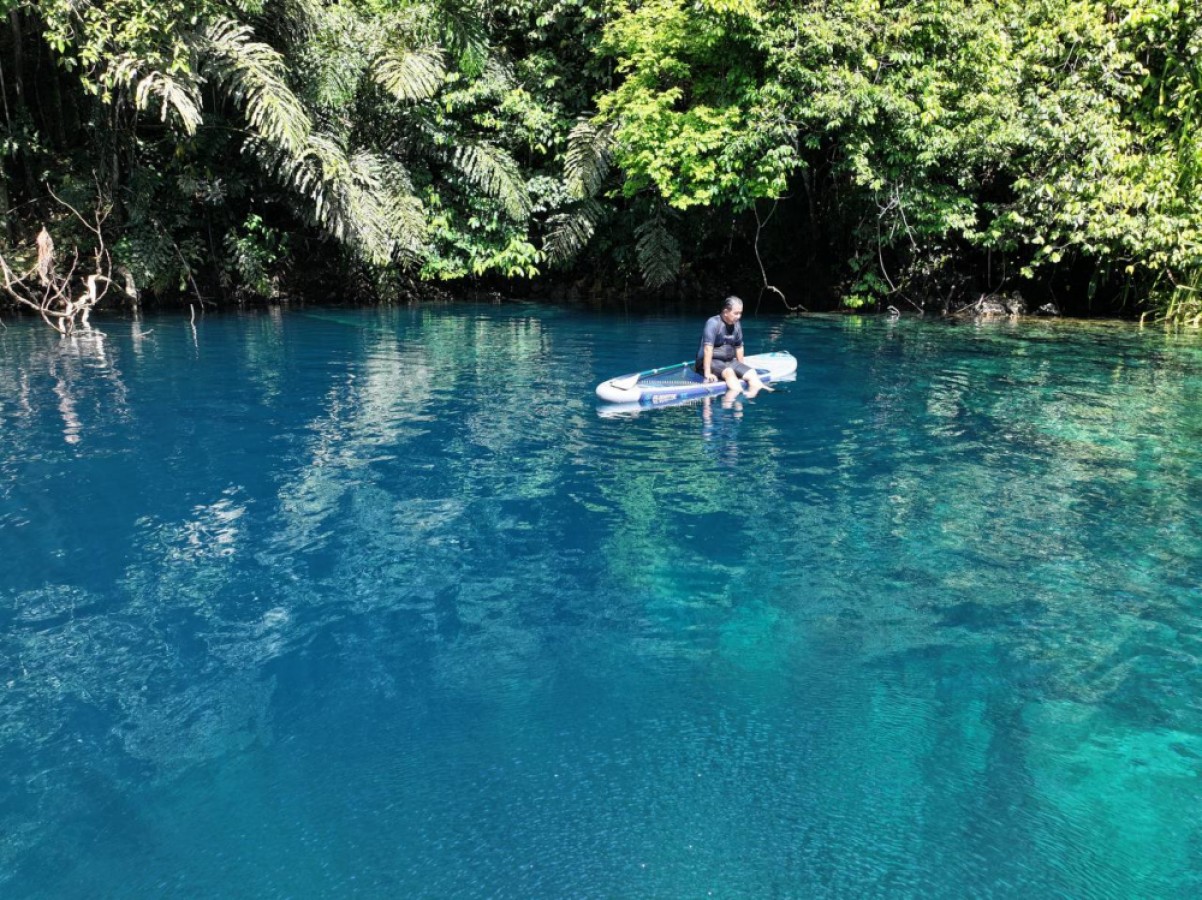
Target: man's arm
pixel 707 361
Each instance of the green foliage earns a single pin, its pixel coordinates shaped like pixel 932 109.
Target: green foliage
pixel 692 117
pixel 474 138
pixel 476 241
pixel 658 251
pixel 391 126
pixel 1037 132
pixel 571 229
pixel 257 251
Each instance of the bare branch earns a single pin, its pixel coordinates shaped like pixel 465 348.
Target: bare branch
pixel 64 301
pixel 759 226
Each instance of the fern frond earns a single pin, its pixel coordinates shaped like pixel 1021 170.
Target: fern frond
pixel 658 252
pixel 570 231
pixel 411 74
pixel 254 73
pixel 496 173
pixel 590 151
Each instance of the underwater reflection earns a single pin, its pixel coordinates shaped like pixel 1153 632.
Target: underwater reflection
pixel 929 626
pixel 720 420
pixel 78 371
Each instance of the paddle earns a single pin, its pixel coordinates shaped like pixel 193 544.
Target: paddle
pixel 625 384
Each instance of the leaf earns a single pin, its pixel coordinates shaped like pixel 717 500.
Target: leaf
pixel 254 73
pixel 658 252
pixel 410 75
pixel 590 152
pixel 361 199
pixel 175 95
pixel 464 33
pixel 570 231
pixel 495 172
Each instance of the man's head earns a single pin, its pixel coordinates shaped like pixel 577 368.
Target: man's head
pixel 732 310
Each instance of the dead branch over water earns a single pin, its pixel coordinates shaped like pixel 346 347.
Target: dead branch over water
pixel 64 299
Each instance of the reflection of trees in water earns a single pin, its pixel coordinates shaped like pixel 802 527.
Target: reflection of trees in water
pixel 938 565
pixel 79 371
pixel 107 692
pixel 720 427
pixel 170 671
pixel 265 352
pixel 685 497
pixel 399 507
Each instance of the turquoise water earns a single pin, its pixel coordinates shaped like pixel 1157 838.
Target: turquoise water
pixel 310 605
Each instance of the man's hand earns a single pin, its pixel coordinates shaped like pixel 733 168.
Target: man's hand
pixel 710 377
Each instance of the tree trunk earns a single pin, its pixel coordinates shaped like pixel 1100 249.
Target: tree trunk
pixel 14 22
pixel 6 225
pixel 58 124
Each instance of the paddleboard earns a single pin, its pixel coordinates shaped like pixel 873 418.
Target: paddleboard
pixel 680 381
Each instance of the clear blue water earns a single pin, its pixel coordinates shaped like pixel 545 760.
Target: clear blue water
pixel 311 605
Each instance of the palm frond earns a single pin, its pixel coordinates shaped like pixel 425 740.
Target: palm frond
pixel 463 33
pixel 296 20
pixel 496 173
pixel 590 151
pixel 411 74
pixel 409 227
pixel 571 230
pixel 658 252
pixel 380 196
pixel 174 95
pixel 178 94
pixel 360 199
pixel 254 73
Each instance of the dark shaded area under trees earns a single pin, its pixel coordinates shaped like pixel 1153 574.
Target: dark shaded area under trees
pixel 821 155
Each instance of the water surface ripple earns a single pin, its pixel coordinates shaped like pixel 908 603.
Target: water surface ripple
pixel 380 603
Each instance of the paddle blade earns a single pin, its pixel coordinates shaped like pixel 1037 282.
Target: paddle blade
pixel 625 383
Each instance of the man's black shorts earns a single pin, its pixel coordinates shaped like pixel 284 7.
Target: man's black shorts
pixel 718 366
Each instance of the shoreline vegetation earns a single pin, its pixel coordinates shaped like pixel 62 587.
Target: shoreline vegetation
pixel 985 312
pixel 900 158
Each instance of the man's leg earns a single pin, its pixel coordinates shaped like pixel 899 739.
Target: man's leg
pixel 731 379
pixel 754 385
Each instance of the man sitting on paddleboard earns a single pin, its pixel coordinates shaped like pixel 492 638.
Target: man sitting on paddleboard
pixel 721 352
